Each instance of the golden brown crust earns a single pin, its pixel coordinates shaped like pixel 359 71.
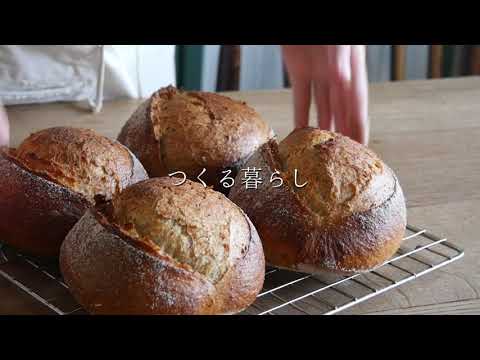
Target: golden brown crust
pixel 79 159
pixel 43 194
pixel 324 229
pixel 111 270
pixel 189 131
pixel 197 227
pixel 344 176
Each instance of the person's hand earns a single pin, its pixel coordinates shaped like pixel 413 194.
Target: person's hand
pixel 4 128
pixel 336 77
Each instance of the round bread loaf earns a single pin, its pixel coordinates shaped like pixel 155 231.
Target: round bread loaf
pixel 349 217
pixel 158 248
pixel 49 181
pixel 191 131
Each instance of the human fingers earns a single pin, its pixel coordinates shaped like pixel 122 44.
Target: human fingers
pixel 321 86
pixel 359 96
pixel 322 101
pixel 339 66
pixel 298 64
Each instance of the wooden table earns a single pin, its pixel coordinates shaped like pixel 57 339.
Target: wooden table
pixel 427 131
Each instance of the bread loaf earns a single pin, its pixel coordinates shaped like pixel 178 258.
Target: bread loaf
pixel 158 248
pixel 349 217
pixel 50 180
pixel 190 131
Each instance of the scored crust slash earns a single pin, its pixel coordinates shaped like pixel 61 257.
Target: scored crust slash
pixel 133 245
pixel 209 260
pixel 189 131
pixel 350 218
pixel 53 177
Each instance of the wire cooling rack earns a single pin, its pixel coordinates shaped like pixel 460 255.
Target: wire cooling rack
pixel 284 292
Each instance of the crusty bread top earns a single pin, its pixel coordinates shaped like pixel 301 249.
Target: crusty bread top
pixel 79 159
pixel 197 227
pixel 200 129
pixel 343 176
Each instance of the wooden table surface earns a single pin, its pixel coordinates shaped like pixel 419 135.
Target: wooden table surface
pixel 427 131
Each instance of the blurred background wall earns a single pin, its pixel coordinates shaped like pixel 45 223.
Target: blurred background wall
pixel 254 67
pixel 32 73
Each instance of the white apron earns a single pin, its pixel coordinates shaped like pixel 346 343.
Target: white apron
pixel 48 73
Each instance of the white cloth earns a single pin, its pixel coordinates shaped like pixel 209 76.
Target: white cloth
pixel 48 73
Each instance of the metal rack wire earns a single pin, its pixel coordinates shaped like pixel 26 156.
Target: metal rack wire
pixel 284 292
